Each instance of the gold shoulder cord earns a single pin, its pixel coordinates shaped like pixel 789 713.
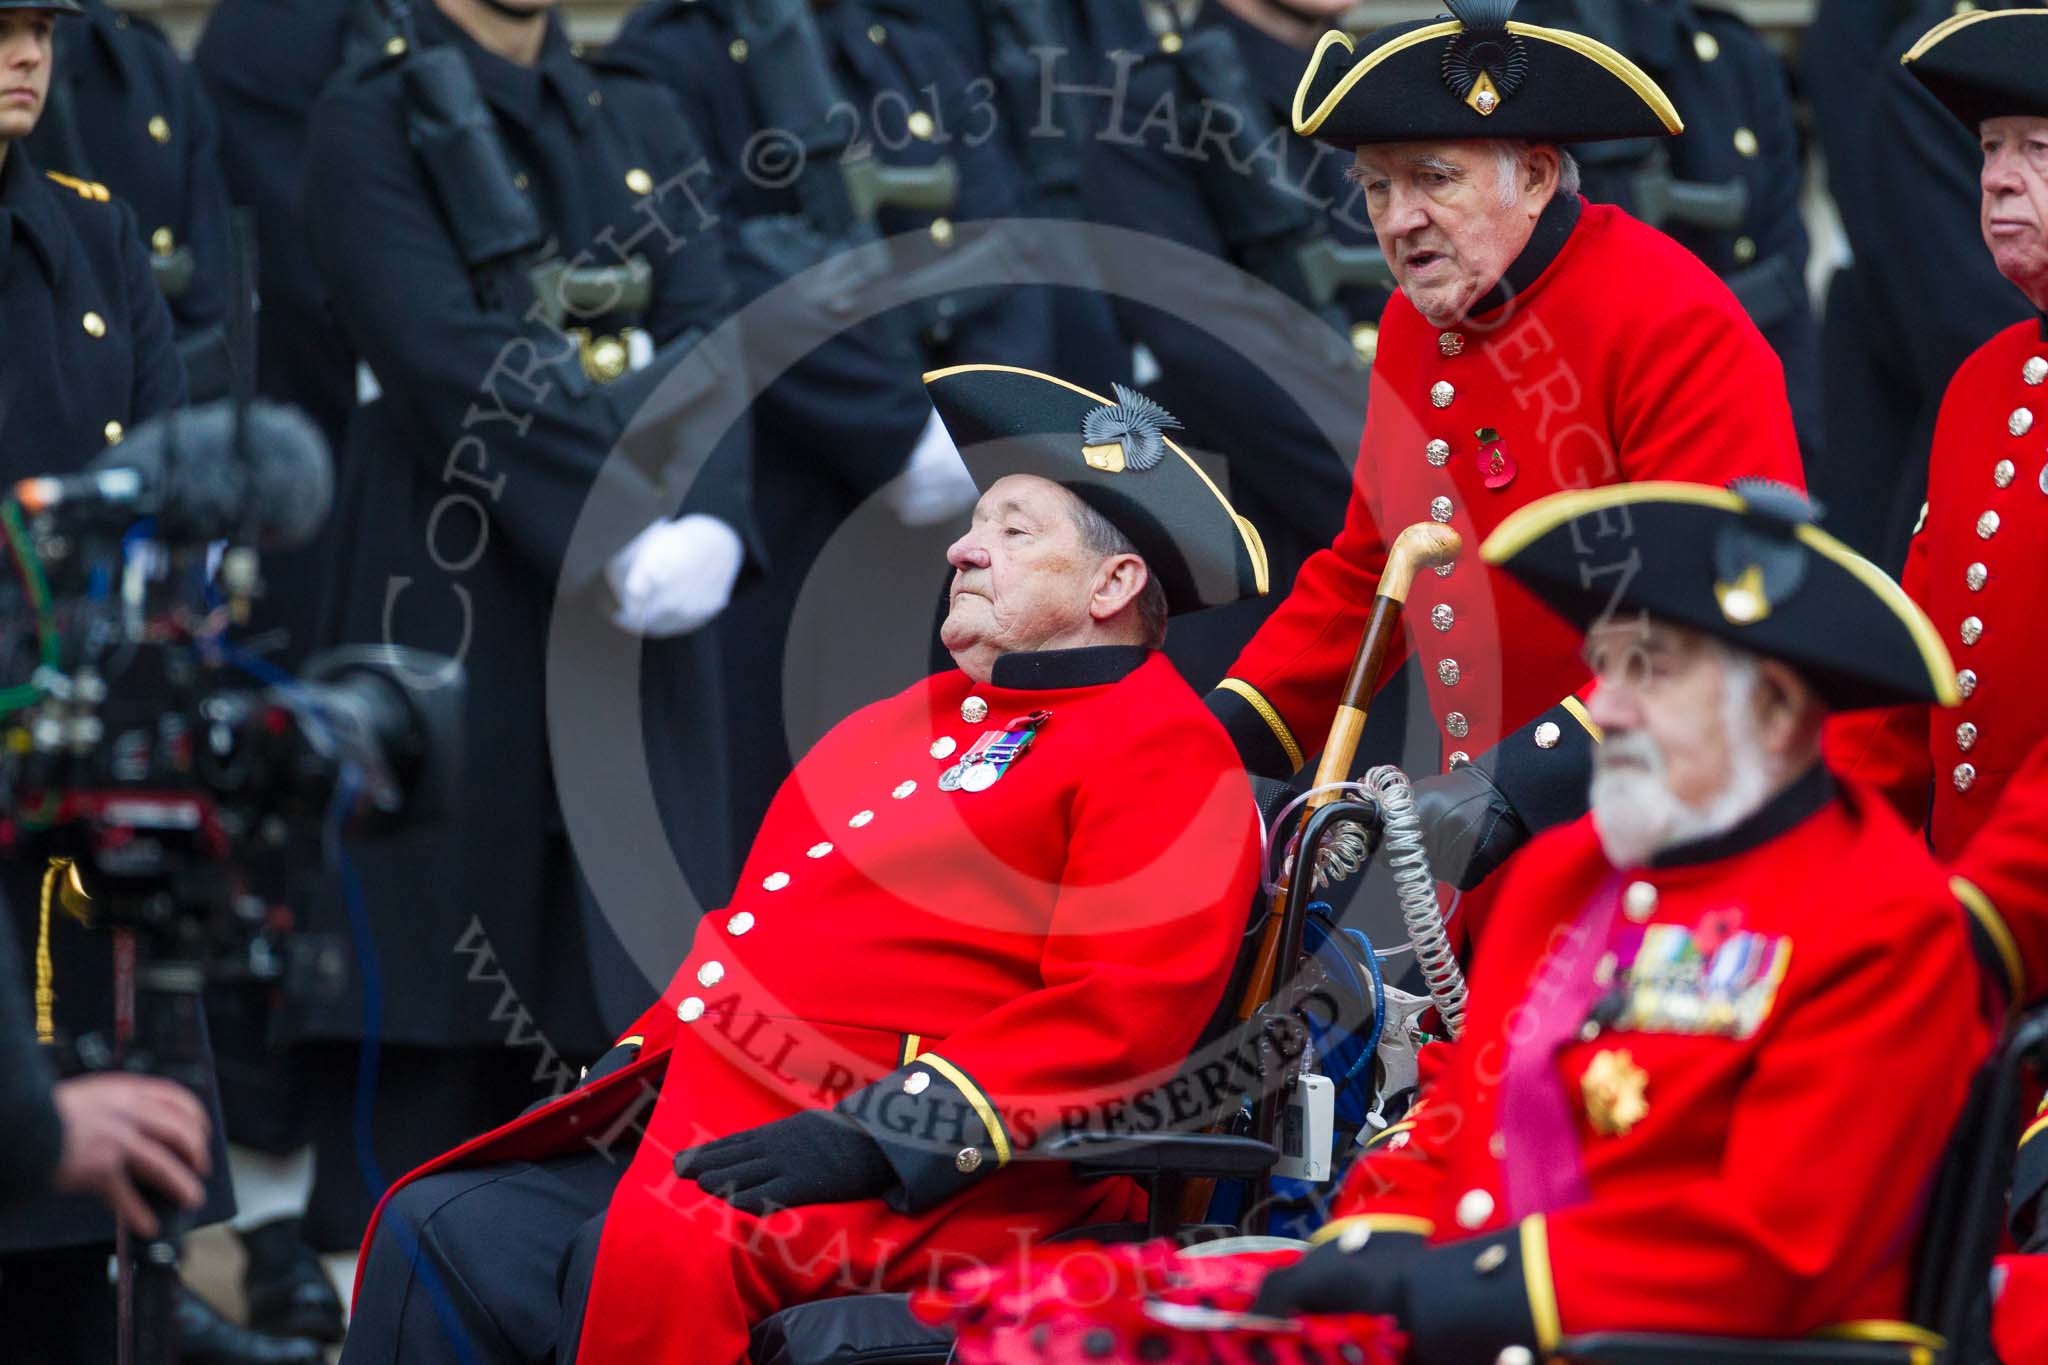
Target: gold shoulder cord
pixel 46 973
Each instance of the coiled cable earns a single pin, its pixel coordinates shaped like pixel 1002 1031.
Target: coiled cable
pixel 1415 888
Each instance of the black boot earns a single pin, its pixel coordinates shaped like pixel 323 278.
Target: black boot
pixel 288 1293
pixel 207 1338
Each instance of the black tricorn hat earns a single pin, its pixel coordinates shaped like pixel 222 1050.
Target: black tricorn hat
pixel 1477 74
pixel 60 6
pixel 1114 454
pixel 1744 564
pixel 1985 64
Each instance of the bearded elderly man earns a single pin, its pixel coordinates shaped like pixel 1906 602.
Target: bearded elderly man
pixel 1537 343
pixel 1642 1127
pixel 1016 888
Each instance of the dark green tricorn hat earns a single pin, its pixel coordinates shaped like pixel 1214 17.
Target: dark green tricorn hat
pixel 1744 564
pixel 1115 455
pixel 1477 74
pixel 1985 64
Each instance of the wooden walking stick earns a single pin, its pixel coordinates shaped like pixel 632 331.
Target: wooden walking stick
pixel 1425 545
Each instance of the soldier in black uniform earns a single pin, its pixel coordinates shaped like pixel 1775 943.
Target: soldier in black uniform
pixel 126 111
pixel 444 185
pixel 1903 174
pixel 1728 186
pixel 884 103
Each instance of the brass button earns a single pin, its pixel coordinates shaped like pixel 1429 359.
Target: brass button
pixel 1444 570
pixel 2021 422
pixel 1365 341
pixel 691 1010
pixel 1745 142
pixel 1447 672
pixel 904 789
pixel 159 129
pixel 1497 1146
pixel 943 746
pixel 1548 734
pixel 94 324
pixel 1474 1208
pixel 942 231
pixel 394 46
pixel 1439 508
pixel 1450 344
pixel 1639 902
pixel 860 819
pixel 917 1082
pixel 974 710
pixel 1491 1259
pixel 1705 46
pixel 1441 393
pixel 520 180
pixel 114 433
pixel 737 49
pixel 1169 43
pixel 1745 250
pixel 163 241
pixel 740 923
pixel 1987 526
pixel 775 881
pixel 2034 371
pixel 921 125
pixel 1458 759
pixel 594 98
pixel 606 359
pixel 1437 453
pixel 1973 629
pixel 639 181
pixel 1965 776
pixel 969 1160
pixel 1966 683
pixel 818 850
pixel 710 974
pixel 2002 472
pixel 1966 736
pixel 1442 617
pixel 1976 576
pixel 877 34
pixel 1457 725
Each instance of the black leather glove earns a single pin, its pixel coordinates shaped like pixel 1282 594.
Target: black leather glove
pixel 1469 827
pixel 1330 1279
pixel 816 1157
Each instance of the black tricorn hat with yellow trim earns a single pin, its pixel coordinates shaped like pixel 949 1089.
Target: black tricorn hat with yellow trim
pixel 1477 74
pixel 1115 455
pixel 1744 564
pixel 1985 64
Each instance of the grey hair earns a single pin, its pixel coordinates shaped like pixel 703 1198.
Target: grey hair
pixel 1510 155
pixel 1101 537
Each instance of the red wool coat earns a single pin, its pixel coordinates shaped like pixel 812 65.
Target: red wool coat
pixel 1733 1200
pixel 1618 357
pixel 962 970
pixel 1975 566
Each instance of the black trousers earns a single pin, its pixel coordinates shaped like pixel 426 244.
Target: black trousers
pixel 484 1267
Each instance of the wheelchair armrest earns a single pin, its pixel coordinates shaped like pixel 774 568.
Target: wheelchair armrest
pixel 1653 1348
pixel 1199 1156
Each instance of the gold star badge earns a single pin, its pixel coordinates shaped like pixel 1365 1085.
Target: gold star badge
pixel 1615 1089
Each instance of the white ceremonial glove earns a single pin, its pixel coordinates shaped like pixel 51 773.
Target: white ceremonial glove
pixel 935 485
pixel 675 576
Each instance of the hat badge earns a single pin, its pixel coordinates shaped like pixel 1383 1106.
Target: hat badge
pixel 1486 63
pixel 1127 434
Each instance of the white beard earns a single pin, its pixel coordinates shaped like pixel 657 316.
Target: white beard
pixel 1634 811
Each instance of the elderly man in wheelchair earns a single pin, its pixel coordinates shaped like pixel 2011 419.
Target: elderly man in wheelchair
pixel 1666 1126
pixel 1020 884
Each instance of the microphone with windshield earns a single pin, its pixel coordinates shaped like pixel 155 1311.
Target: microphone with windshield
pixel 271 488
